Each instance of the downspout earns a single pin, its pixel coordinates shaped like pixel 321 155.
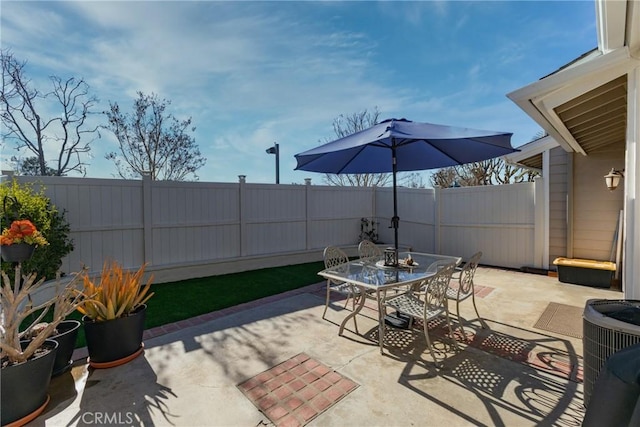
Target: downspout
pixel 631 231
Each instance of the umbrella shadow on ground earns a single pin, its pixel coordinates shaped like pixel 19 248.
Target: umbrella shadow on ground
pixel 489 364
pixel 215 355
pixel 238 342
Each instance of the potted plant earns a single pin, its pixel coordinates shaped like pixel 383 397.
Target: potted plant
pixel 114 316
pixel 19 240
pixel 27 364
pixel 368 230
pixel 66 332
pixel 29 201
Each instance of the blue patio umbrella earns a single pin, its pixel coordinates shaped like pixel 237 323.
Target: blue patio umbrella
pixel 395 145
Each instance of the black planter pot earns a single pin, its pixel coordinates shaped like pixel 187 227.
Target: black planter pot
pixel 18 252
pixel 113 342
pixel 24 387
pixel 66 339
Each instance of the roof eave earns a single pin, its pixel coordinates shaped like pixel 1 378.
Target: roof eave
pixel 618 32
pixel 530 149
pixel 540 98
pixel 609 16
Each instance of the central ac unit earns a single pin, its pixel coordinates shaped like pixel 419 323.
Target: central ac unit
pixel 608 326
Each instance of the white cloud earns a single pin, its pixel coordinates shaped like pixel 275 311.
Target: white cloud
pixel 251 73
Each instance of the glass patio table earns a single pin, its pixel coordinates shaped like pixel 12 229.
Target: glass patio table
pixel 371 276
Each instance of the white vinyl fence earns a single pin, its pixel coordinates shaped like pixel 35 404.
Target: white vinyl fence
pixel 191 229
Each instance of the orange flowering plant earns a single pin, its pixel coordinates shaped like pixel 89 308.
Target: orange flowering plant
pixel 22 231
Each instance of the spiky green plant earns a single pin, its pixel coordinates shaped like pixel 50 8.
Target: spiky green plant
pixel 117 294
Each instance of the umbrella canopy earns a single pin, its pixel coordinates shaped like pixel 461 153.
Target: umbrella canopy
pixel 402 145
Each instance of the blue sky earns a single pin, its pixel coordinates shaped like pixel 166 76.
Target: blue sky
pixel 254 73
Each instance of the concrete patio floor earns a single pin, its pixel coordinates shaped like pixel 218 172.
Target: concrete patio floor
pixel 200 373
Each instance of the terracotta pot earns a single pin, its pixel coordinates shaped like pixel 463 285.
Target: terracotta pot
pixel 18 252
pixel 114 342
pixel 24 387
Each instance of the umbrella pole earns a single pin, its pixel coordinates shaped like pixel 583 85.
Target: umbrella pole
pixel 395 220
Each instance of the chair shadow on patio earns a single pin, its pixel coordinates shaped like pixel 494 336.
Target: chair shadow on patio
pixel 544 377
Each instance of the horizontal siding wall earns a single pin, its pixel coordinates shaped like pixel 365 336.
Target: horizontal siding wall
pixel 558 191
pixel 595 208
pixel 192 225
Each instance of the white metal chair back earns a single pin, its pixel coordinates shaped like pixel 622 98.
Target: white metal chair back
pixel 369 250
pixel 466 275
pixel 436 266
pixel 465 288
pixel 336 259
pixel 333 257
pixel 436 287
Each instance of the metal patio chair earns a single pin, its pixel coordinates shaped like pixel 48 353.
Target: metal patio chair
pixel 464 288
pixel 334 257
pixel 367 250
pixel 427 302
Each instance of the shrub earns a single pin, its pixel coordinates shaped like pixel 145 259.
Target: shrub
pixel 21 201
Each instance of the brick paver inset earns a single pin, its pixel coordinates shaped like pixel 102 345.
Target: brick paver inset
pixel 305 389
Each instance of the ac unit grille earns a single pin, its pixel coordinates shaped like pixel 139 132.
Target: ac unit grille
pixel 603 336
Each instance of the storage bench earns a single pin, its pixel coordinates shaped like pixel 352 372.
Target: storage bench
pixel 588 272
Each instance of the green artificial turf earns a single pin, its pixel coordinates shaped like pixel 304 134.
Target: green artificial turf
pixel 181 300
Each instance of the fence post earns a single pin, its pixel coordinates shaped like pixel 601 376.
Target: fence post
pixel 374 211
pixel 307 199
pixel 147 218
pixel 436 222
pixel 242 179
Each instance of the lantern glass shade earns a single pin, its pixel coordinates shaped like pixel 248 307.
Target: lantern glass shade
pixel 390 257
pixel 612 179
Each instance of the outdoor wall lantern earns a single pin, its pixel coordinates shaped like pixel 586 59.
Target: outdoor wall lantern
pixel 612 179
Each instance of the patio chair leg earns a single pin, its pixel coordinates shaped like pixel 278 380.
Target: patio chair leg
pixel 455 342
pixel 460 322
pixel 433 354
pixel 482 322
pixel 381 331
pixel 346 301
pixel 326 304
pixel 353 308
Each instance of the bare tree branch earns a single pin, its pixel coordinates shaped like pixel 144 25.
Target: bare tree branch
pixel 65 134
pixel 488 172
pixel 345 125
pixel 152 140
